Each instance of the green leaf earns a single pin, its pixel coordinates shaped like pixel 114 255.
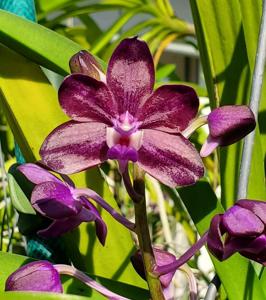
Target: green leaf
pixel 236 273
pixel 31 106
pixel 11 262
pixel 36 42
pixel 19 199
pixel 223 50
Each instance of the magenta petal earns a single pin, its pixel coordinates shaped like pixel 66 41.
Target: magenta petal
pixel 101 228
pixel 130 74
pixel 86 99
pixel 214 239
pixel 231 123
pixel 73 147
pixel 239 221
pixel 256 250
pixel 209 146
pixel 257 207
pixel 40 276
pixel 170 108
pixel 54 200
pixel 36 174
pixel 163 258
pixel 170 158
pixel 60 227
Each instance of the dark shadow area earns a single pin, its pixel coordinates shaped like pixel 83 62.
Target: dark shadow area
pixel 262 121
pixel 14 66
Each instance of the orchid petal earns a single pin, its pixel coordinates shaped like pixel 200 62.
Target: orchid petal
pixel 239 221
pixel 60 227
pixel 130 74
pixel 170 158
pixel 214 239
pixel 170 108
pixel 36 174
pixel 54 200
pixel 230 123
pixel 101 228
pixel 38 276
pixel 73 147
pixel 85 99
pixel 256 250
pixel 209 146
pixel 162 258
pixel 257 207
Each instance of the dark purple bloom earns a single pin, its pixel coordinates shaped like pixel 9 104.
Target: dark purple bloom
pixel 124 119
pixel 57 200
pixel 240 229
pixel 228 124
pixel 35 276
pixel 162 258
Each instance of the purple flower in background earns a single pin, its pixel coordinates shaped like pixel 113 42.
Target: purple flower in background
pixel 35 276
pixel 124 119
pixel 240 229
pixel 57 200
pixel 227 125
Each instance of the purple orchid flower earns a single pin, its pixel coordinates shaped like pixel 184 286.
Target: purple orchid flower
pixel 227 125
pixel 124 119
pixel 56 200
pixel 240 229
pixel 42 276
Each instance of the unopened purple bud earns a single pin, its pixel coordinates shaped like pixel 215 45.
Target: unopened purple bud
pixel 243 227
pixel 162 258
pixel 36 276
pixel 227 125
pixel 83 62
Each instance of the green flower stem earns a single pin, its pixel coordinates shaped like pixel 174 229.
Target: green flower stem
pixel 142 230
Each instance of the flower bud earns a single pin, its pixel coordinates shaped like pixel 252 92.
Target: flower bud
pixel 83 62
pixel 36 276
pixel 227 125
pixel 240 229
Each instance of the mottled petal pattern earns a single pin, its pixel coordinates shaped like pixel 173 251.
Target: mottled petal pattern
pixel 85 99
pixel 170 108
pixel 54 200
pixel 74 147
pixel 37 174
pixel 130 74
pixel 170 158
pixel 40 276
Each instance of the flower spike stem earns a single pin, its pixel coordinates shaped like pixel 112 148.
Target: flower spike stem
pixel 142 230
pixel 98 199
pixel 254 106
pixel 71 271
pixel 162 270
